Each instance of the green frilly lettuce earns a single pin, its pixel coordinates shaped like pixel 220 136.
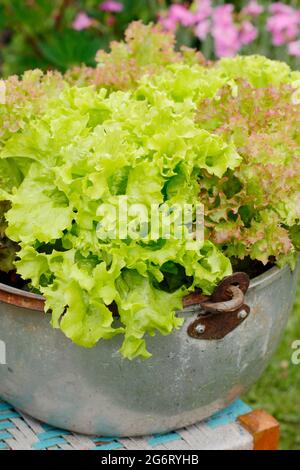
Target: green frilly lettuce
pixel 79 148
pixel 88 149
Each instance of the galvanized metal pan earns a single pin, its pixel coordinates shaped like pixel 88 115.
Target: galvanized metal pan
pixel 192 374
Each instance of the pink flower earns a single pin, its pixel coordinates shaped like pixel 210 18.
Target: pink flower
pixel 82 21
pixel 203 10
pixel 177 14
pixel 226 44
pixel 111 6
pixel 279 8
pixel 182 15
pixel 294 48
pixel 223 14
pixel 110 20
pixel 202 29
pixel 253 8
pixel 247 33
pixel 225 32
pixel 283 26
pixel 169 24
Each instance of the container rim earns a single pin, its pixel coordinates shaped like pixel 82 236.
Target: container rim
pixel 20 298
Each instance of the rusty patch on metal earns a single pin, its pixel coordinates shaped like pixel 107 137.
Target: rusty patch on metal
pixel 226 306
pixel 214 326
pixel 222 292
pixel 195 298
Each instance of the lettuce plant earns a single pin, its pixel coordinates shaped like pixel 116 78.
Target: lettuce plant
pixel 155 126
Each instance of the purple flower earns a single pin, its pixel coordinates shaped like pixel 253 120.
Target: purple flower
pixel 247 33
pixel 111 6
pixel 253 8
pixel 294 48
pixel 202 29
pixel 82 21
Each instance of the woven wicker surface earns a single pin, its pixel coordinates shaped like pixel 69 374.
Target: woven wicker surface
pixel 20 432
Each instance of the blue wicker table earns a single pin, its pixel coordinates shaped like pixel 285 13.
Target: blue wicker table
pixel 222 431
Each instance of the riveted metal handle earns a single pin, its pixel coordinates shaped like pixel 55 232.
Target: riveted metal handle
pixel 224 311
pixel 236 301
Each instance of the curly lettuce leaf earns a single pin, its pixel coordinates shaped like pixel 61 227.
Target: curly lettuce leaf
pixel 7 247
pixel 50 211
pixel 223 134
pixel 78 164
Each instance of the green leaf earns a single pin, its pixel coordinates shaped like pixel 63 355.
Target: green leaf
pixel 49 209
pixel 64 50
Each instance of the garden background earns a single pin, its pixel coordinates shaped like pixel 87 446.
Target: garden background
pixel 64 33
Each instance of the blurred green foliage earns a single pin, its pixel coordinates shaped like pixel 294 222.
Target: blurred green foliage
pixel 39 33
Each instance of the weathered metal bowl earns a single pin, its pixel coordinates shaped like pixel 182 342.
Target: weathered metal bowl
pixel 97 392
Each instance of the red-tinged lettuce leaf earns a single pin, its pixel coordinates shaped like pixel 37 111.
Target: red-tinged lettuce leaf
pixel 255 210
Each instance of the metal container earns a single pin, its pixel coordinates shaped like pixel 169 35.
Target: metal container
pixel 97 392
